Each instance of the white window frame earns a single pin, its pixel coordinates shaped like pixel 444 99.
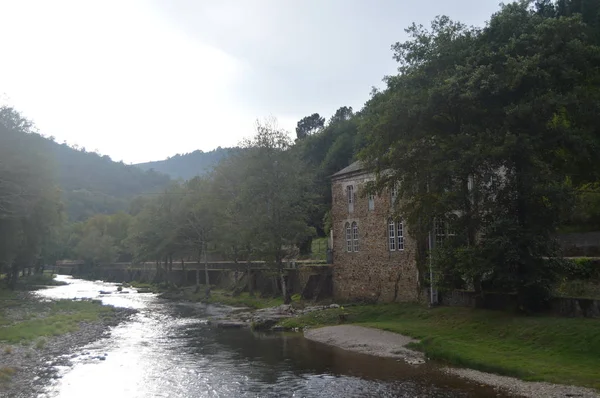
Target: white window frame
pixel 371 202
pixel 350 197
pixel 400 235
pixel 355 236
pixel 439 231
pixel 392 235
pixel 348 237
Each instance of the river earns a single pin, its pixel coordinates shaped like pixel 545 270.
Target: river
pixel 168 349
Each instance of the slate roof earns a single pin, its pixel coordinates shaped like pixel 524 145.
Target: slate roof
pixel 354 167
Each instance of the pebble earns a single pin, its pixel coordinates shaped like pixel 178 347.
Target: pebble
pixel 528 389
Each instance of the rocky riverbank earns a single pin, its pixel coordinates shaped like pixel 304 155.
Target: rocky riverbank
pixel 27 366
pixel 264 318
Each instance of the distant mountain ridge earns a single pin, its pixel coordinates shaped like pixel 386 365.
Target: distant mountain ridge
pixel 188 165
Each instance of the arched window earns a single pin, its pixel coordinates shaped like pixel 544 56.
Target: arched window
pixel 355 236
pixel 392 235
pixel 439 230
pixel 400 235
pixel 348 238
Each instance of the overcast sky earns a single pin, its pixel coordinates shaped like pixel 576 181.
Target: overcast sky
pixel 142 80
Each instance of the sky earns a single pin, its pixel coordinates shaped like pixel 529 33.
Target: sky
pixel 143 80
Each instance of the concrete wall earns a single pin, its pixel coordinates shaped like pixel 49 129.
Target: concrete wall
pixel 374 273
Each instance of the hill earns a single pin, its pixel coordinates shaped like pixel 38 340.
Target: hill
pixel 188 165
pixel 94 184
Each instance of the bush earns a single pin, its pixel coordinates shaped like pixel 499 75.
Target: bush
pixel 582 269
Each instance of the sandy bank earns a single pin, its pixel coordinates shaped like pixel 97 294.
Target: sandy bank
pixel 367 341
pixel 392 345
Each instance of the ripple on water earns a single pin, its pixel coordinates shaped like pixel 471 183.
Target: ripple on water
pixel 167 349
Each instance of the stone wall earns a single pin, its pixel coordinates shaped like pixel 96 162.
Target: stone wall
pixel 561 306
pixel 374 273
pixel 580 244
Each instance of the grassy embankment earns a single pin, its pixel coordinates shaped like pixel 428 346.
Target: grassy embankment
pixel 540 348
pixel 24 319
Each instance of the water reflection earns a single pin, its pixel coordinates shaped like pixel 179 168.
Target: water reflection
pixel 169 350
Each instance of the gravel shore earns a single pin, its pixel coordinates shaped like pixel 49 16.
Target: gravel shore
pixel 36 365
pixel 386 344
pixel 367 341
pixel 523 388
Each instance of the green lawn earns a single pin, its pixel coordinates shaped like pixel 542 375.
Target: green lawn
pixel 541 348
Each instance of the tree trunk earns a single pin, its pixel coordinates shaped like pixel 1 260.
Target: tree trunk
pixel 184 278
pixel 287 299
pixel 14 277
pixel 207 280
pixel 170 275
pixel 157 276
pixel 249 272
pixel 197 275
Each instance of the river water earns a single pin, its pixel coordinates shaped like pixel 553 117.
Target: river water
pixel 168 349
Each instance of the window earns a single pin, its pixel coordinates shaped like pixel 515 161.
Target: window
pixel 396 235
pixel 348 238
pixel 371 202
pixel 392 235
pixel 355 235
pixel 439 231
pixel 394 193
pixel 350 194
pixel 400 234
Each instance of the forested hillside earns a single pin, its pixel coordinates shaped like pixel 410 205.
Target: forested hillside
pixel 189 165
pixel 89 183
pixel 93 184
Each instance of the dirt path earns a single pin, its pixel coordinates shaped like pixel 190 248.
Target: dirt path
pixel 387 344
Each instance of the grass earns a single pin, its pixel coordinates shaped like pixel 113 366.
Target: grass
pixel 540 348
pixel 6 373
pixel 26 319
pixel 34 281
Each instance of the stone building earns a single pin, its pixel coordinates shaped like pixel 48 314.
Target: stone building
pixel 373 255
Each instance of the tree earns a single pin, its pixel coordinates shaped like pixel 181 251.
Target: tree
pixel 275 188
pixel 309 125
pixel 197 223
pixel 489 125
pixel 29 203
pixel 237 234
